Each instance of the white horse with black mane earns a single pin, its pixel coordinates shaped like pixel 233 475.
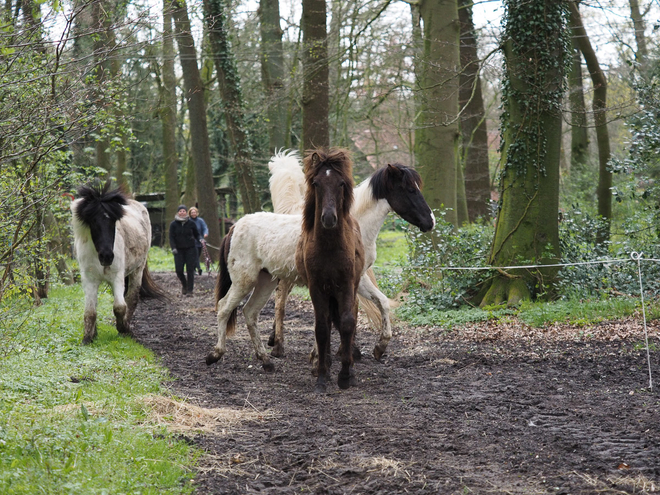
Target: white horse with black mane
pixel 112 235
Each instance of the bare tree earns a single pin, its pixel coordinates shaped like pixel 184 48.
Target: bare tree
pixel 436 126
pixel 199 137
pixel 315 98
pixel 473 121
pixel 272 71
pixel 599 106
pixel 215 14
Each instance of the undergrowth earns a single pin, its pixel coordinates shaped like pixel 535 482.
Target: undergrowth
pixel 71 418
pixel 584 294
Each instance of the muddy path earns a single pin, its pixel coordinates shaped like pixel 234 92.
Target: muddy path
pixel 481 410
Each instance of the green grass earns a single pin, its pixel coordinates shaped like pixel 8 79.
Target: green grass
pixel 392 249
pixel 535 314
pixel 161 260
pixel 71 416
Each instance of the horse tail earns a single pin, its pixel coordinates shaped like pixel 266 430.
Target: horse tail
pixel 287 182
pixel 149 288
pixel 223 282
pixel 369 307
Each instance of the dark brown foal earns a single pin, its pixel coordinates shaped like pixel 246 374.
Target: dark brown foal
pixel 330 256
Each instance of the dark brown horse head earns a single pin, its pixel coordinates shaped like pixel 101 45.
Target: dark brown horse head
pixel 329 177
pixel 100 209
pixel 401 186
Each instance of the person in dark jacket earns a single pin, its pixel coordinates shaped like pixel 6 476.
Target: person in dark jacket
pixel 183 236
pixel 193 213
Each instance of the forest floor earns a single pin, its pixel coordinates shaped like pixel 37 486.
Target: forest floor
pixel 490 408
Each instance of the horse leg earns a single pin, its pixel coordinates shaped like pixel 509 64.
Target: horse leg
pixel 347 333
pixel 91 290
pixel 133 292
pixel 322 328
pixel 119 306
pixel 226 307
pixel 277 337
pixel 368 290
pixel 258 299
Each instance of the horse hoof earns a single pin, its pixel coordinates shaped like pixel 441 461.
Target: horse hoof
pixel 343 383
pixel 378 353
pixel 87 340
pixel 212 358
pixel 278 351
pixel 320 388
pixel 268 366
pixel 271 339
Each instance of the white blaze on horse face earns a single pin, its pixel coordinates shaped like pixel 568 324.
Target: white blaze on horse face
pixel 327 172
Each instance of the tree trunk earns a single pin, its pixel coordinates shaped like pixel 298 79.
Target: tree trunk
pixel 473 121
pixel 215 14
pixel 599 107
pixel 527 229
pixel 638 22
pixel 579 136
pixel 199 136
pixel 272 72
pixel 168 120
pixel 315 100
pixel 102 40
pixel 436 126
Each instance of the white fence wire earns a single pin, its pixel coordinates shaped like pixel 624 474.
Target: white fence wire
pixel 634 257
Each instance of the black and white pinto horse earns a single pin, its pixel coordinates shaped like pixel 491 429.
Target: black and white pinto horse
pixel 112 235
pixel 394 188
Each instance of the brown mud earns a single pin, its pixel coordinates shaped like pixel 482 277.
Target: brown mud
pixel 490 409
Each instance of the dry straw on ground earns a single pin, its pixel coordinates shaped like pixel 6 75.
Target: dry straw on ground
pixel 184 417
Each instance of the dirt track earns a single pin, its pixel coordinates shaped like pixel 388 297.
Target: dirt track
pixel 475 411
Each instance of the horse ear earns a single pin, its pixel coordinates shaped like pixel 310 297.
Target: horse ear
pixel 394 170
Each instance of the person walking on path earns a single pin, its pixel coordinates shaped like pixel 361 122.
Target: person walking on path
pixel 183 238
pixel 203 230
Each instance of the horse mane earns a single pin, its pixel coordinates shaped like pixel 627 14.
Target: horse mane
pixel 381 180
pixel 98 199
pixel 338 159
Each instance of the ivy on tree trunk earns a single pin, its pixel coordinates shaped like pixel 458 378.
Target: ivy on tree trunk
pixel 536 52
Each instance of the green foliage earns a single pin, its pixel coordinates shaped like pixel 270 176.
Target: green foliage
pixel 430 287
pixel 587 293
pixel 71 420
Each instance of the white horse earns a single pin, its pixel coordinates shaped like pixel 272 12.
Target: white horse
pixel 112 235
pixel 393 188
pixel 260 248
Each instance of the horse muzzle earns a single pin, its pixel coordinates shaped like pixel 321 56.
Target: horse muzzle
pixel 329 219
pixel 106 259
